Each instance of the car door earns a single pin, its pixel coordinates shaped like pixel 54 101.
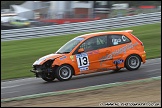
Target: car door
pixel 88 60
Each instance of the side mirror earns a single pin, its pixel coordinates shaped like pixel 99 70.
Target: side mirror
pixel 80 50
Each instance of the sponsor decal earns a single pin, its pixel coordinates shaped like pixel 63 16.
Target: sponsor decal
pixel 63 57
pixel 119 61
pixel 116 41
pixel 72 57
pixel 124 38
pixel 117 52
pixel 84 68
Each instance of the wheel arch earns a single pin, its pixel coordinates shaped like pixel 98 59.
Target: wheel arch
pixel 131 55
pixel 133 52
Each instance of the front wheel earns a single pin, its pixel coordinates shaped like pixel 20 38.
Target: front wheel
pixel 133 62
pixel 64 72
pixel 49 77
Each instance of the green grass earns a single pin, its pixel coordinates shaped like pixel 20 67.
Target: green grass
pixel 18 56
pixel 125 12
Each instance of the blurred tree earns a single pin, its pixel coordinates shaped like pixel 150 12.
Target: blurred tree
pixel 6 4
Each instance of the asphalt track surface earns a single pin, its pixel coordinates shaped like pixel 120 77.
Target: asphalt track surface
pixel 29 86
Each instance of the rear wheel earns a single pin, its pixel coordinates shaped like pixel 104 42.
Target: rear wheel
pixel 64 72
pixel 133 62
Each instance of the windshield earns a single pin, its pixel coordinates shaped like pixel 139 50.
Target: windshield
pixel 68 47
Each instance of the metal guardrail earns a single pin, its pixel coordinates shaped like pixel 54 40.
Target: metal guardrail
pixel 90 26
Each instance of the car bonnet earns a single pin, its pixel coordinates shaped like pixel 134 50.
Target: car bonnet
pixel 43 59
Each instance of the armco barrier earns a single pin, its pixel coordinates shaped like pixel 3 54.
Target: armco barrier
pixel 90 26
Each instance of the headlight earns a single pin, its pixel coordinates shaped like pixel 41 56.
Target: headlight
pixel 37 62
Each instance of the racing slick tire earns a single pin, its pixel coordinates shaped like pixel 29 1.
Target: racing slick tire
pixel 133 62
pixel 64 72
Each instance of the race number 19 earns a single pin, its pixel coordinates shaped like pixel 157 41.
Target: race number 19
pixel 82 60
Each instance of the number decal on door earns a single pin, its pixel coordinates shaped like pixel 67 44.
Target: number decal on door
pixel 82 60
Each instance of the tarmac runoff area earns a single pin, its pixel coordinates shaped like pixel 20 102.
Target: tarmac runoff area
pixel 138 93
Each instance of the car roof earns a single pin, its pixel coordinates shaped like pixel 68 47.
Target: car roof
pixel 104 33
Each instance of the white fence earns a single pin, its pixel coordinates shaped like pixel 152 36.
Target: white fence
pixel 90 26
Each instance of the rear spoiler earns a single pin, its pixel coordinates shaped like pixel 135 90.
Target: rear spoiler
pixel 130 31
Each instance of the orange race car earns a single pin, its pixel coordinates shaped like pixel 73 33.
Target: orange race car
pixel 92 52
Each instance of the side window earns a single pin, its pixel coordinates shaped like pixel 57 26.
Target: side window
pixel 102 41
pixel 94 43
pixel 89 44
pixel 117 39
